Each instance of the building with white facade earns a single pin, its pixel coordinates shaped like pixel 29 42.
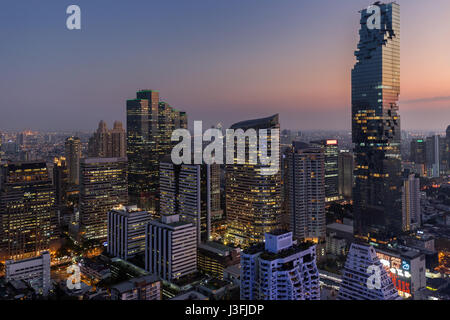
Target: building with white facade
pixel 171 247
pixel 280 269
pixel 34 271
pixel 364 277
pixel 126 231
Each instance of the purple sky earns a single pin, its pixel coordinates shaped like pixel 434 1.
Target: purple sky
pixel 221 61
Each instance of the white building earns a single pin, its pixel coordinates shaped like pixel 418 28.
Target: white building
pixel 279 270
pixel 364 277
pixel 171 247
pixel 411 211
pixel 126 231
pixel 35 271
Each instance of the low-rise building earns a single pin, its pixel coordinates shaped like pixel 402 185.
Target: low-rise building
pixel 143 288
pixel 34 271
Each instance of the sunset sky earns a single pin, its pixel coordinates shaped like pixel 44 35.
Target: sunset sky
pixel 219 60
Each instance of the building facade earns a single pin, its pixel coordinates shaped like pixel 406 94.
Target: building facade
pixel 103 186
pixel 192 191
pixel 142 288
pixel 411 209
pixel 150 124
pixel 376 126
pixel 107 143
pixel 253 200
pixel 306 165
pixel 331 165
pixel 34 271
pixel 364 277
pixel 171 248
pixel 27 209
pixel 280 269
pixel 73 150
pixel 126 231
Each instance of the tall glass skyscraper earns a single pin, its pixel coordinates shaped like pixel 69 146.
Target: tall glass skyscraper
pixel 149 129
pixel 253 200
pixel 376 124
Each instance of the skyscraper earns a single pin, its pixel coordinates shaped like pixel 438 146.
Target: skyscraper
pixel 364 277
pixel 192 191
pixel 107 143
pixel 280 269
pixel 73 156
pixel 346 166
pixel 376 126
pixel 171 248
pixel 306 165
pixel 126 231
pixel 27 208
pixel 103 186
pixel 149 129
pixel 436 156
pixel 331 152
pixel 411 211
pixel 253 200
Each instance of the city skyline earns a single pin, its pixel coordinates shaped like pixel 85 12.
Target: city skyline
pixel 202 55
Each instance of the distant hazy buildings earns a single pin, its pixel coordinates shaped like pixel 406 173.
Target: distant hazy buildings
pixel 376 126
pixel 149 128
pixel 73 150
pixel 411 210
pixel 103 186
pixel 126 231
pixel 107 143
pixel 171 248
pixel 306 166
pixel 34 271
pixel 27 209
pixel 253 200
pixel 279 269
pixel 436 157
pixel 360 279
pixel 331 153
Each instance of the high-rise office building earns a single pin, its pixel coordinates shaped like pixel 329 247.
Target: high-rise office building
pixel 411 211
pixel 171 247
pixel 280 269
pixel 346 166
pixel 436 158
pixel 192 191
pixel 34 271
pixel 27 209
pixel 103 186
pixel 149 128
pixel 448 149
pixel 418 151
pixel 107 143
pixel 126 231
pixel 364 277
pixel 253 200
pixel 73 150
pixel 306 180
pixel 376 126
pixel 331 152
